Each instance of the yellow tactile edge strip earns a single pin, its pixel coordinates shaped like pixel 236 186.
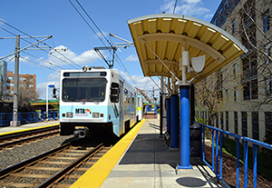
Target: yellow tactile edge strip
pixel 97 174
pixel 22 130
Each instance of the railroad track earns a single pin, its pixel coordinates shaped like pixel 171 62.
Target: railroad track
pixel 15 139
pixel 59 167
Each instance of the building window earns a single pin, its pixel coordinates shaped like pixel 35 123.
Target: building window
pixel 10 84
pixel 222 120
pixel 221 17
pixel 267 51
pixel 233 27
pixel 235 94
pixel 22 79
pixel 244 123
pixel 268 83
pixel 236 122
pixel 250 70
pixel 22 85
pixel 9 91
pixel 235 70
pixel 10 78
pixel 255 125
pixel 31 86
pixel 268 122
pixel 217 120
pixel 250 90
pixel 31 79
pixel 227 121
pixel 227 93
pixel 266 23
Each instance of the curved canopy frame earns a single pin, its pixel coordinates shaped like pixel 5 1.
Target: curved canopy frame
pixel 165 34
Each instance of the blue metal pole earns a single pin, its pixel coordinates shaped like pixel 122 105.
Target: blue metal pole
pixel 168 114
pixel 245 163
pixel 174 121
pixel 184 128
pixel 237 160
pixel 255 166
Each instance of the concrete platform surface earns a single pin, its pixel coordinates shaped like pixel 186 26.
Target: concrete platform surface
pixel 149 163
pixel 9 129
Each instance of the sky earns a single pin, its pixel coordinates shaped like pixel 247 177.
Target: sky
pixel 73 41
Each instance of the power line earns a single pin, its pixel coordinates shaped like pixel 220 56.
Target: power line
pixel 175 7
pixel 86 22
pixel 43 60
pixel 121 64
pixel 94 23
pixel 36 63
pixel 38 46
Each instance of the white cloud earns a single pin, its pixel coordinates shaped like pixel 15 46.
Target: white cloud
pixel 132 58
pixel 144 83
pixel 101 35
pixel 67 58
pixel 185 7
pixel 54 76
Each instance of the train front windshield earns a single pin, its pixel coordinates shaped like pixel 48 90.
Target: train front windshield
pixel 83 89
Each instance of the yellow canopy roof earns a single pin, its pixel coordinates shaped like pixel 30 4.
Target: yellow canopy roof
pixel 164 34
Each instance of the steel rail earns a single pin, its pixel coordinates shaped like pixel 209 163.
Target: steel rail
pixel 65 170
pixel 17 166
pixel 26 133
pixel 16 142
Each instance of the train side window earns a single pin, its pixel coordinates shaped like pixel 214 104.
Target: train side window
pixel 114 96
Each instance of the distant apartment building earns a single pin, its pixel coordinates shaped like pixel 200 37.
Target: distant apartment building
pixel 245 85
pixel 26 81
pixel 3 78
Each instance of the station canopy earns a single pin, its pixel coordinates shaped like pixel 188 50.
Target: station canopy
pixel 164 35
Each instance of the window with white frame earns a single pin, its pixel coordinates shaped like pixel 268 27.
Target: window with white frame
pixel 266 22
pixel 267 51
pixel 268 84
pixel 235 70
pixel 233 26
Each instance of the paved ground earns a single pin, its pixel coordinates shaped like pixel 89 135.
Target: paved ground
pixel 149 163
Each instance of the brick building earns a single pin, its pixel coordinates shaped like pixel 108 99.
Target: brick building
pixel 26 81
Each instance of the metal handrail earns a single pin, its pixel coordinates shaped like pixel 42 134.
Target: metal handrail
pixel 245 140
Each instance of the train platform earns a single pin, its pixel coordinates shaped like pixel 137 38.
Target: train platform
pixel 141 159
pixel 26 127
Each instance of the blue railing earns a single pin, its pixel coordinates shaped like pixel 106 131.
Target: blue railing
pixel 26 117
pixel 246 140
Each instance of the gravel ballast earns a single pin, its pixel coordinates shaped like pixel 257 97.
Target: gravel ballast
pixel 18 154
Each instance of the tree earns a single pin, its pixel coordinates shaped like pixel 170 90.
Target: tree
pixel 254 31
pixel 25 94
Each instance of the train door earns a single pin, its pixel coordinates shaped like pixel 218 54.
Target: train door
pixel 121 108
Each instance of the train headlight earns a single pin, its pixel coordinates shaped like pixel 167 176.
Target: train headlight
pixel 69 114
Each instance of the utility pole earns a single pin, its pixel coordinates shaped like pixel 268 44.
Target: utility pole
pixel 15 121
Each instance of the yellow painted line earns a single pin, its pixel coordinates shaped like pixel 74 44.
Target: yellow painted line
pixel 22 130
pixel 97 174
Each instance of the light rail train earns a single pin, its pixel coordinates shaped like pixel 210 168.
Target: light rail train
pixel 94 101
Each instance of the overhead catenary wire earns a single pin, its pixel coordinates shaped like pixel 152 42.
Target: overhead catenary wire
pixel 38 64
pixel 101 33
pixel 175 6
pixel 43 60
pixel 75 65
